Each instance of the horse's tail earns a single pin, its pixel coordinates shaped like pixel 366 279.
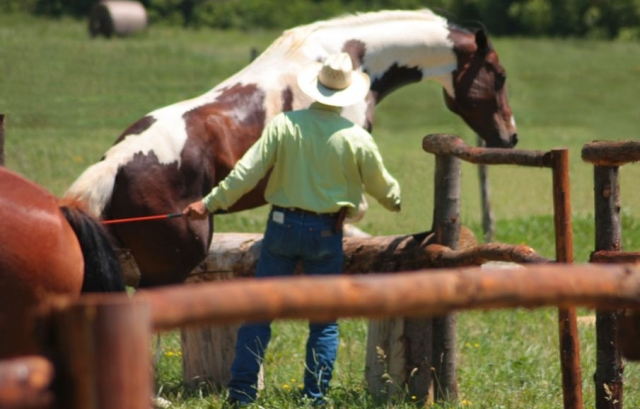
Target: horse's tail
pixel 102 270
pixel 94 187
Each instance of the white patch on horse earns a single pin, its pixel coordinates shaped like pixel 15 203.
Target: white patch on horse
pixel 95 186
pixel 165 138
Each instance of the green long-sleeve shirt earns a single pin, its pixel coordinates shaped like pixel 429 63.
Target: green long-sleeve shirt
pixel 320 162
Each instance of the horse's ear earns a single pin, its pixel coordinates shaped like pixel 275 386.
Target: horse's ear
pixel 482 41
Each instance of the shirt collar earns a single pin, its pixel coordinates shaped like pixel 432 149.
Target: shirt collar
pixel 321 106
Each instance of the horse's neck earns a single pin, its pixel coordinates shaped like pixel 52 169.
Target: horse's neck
pixel 396 47
pixel 396 53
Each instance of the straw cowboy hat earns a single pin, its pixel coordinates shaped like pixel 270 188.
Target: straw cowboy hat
pixel 334 82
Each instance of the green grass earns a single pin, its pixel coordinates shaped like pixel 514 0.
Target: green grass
pixel 67 97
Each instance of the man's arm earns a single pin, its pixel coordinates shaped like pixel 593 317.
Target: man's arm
pixel 244 176
pixel 377 181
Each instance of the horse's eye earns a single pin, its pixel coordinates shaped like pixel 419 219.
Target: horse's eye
pixel 501 77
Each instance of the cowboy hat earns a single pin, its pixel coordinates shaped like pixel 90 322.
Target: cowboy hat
pixel 334 82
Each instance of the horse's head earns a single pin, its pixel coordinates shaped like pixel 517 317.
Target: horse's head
pixel 480 96
pixel 397 48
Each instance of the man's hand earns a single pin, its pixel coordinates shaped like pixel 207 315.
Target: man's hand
pixel 196 210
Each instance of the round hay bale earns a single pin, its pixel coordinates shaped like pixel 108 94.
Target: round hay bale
pixel 117 17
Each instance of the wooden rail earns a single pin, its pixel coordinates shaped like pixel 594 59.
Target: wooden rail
pixel 452 145
pixel 414 293
pixel 609 153
pixel 238 253
pixel 424 292
pixel 610 257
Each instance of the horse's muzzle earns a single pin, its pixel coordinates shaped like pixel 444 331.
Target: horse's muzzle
pixel 514 140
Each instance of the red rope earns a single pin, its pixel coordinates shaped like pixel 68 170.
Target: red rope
pixel 143 218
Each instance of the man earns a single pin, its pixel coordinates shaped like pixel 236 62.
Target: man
pixel 320 163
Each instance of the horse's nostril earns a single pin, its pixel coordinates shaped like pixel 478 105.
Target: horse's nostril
pixel 514 139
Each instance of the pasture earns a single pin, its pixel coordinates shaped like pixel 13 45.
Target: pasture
pixel 67 97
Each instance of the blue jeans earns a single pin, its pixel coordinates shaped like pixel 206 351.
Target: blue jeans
pixel 292 237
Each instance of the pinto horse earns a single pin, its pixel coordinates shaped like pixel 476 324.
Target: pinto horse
pixel 176 154
pixel 45 249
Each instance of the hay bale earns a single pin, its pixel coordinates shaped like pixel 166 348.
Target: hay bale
pixel 117 17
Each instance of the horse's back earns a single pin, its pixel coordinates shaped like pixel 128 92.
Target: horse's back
pixel 39 255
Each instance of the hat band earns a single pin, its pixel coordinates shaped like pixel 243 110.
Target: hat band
pixel 334 79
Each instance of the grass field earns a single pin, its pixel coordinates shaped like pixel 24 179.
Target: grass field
pixel 67 97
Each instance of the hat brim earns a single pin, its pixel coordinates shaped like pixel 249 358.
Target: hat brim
pixel 356 92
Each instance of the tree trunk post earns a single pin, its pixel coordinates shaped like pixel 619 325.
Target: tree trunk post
pixel 208 352
pixel 609 368
pixel 446 227
pixel 101 351
pixel 567 322
pixel 488 219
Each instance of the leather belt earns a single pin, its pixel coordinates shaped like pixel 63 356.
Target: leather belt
pixel 302 211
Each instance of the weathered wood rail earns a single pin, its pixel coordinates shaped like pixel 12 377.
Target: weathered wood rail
pixel 238 253
pixel 615 330
pixel 414 293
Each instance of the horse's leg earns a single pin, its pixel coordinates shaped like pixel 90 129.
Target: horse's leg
pixel 167 250
pixel 488 220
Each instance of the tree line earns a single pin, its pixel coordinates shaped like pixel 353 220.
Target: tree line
pixel 600 19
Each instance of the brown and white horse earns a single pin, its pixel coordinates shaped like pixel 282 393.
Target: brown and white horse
pixel 175 154
pixel 46 248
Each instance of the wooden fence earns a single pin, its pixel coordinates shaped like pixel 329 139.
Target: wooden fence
pixel 449 150
pixel 92 342
pixel 99 345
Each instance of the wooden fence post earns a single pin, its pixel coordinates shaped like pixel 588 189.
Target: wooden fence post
pixel 207 353
pixel 613 328
pixel 101 351
pixel 609 368
pixel 446 227
pixel 488 219
pixel 567 322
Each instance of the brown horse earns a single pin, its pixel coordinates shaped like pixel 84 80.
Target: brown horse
pixel 45 249
pixel 175 154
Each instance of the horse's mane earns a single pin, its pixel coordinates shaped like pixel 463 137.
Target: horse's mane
pixel 298 35
pixel 373 17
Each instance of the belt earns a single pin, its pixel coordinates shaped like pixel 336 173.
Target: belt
pixel 302 211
